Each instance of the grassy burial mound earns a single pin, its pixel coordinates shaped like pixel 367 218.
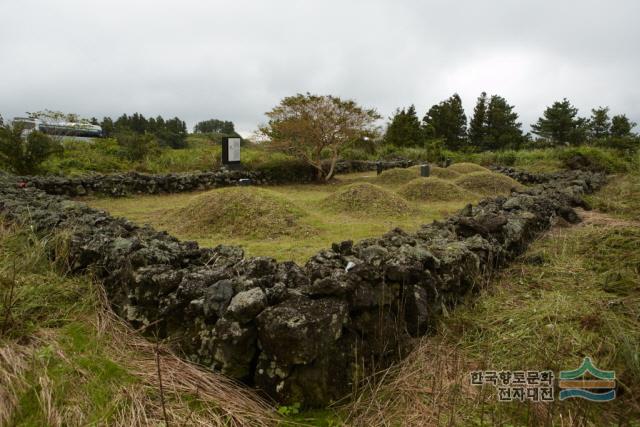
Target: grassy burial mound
pixel 396 176
pixel 464 167
pixel 433 189
pixel 241 212
pixel 367 199
pixel 438 172
pixel 488 183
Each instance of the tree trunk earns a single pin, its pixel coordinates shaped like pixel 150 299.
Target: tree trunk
pixel 334 160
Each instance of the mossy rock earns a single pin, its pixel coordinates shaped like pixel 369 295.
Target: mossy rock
pixel 434 189
pixel 367 199
pixel 397 176
pixel 488 183
pixel 247 212
pixel 463 168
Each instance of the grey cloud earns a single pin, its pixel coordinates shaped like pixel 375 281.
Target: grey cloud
pixel 235 59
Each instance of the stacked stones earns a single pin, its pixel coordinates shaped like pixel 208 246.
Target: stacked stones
pixel 347 166
pixel 118 185
pixel 301 333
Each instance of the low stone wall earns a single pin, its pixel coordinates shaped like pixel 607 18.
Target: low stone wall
pixel 117 185
pixel 301 333
pixel 348 166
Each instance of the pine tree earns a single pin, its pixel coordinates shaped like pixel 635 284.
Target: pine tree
pixel 477 125
pixel 502 129
pixel 560 123
pixel 404 130
pixel 447 120
pixel 621 126
pixel 599 123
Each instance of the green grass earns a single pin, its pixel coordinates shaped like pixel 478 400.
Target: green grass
pixel 203 153
pixel 575 293
pixel 620 197
pixel 105 156
pixel 65 360
pixel 329 224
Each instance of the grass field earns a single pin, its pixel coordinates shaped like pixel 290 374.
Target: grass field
pixel 323 222
pixel 574 293
pixel 67 360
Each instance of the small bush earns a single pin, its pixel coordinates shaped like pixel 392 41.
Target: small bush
pixel 281 168
pixel 25 155
pixel 136 147
pixel 356 154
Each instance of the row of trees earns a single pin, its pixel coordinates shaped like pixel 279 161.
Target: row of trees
pixel 168 133
pixel 224 127
pixel 494 125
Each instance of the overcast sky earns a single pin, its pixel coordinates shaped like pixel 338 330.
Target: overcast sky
pixel 234 60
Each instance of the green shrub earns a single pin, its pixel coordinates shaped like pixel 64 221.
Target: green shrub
pixel 25 155
pixel 624 143
pixel 356 154
pixel 80 157
pixel 594 159
pixel 138 146
pixel 284 169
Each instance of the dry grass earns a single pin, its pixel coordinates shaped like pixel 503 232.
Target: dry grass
pixel 396 176
pixel 430 387
pixel 434 189
pixel 67 359
pixel 14 363
pixel 222 401
pixel 464 168
pixel 488 183
pixel 367 200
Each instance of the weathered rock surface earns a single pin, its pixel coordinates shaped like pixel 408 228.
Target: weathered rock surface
pixel 301 333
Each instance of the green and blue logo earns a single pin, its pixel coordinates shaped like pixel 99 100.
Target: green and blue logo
pixel 598 386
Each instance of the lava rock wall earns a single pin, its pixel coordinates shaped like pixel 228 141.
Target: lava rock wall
pixel 118 185
pixel 307 333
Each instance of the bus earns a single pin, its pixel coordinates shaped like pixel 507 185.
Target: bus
pixel 61 128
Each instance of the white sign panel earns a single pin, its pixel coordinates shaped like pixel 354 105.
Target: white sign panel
pixel 234 149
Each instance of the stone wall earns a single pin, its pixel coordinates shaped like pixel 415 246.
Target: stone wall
pixel 117 185
pixel 301 333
